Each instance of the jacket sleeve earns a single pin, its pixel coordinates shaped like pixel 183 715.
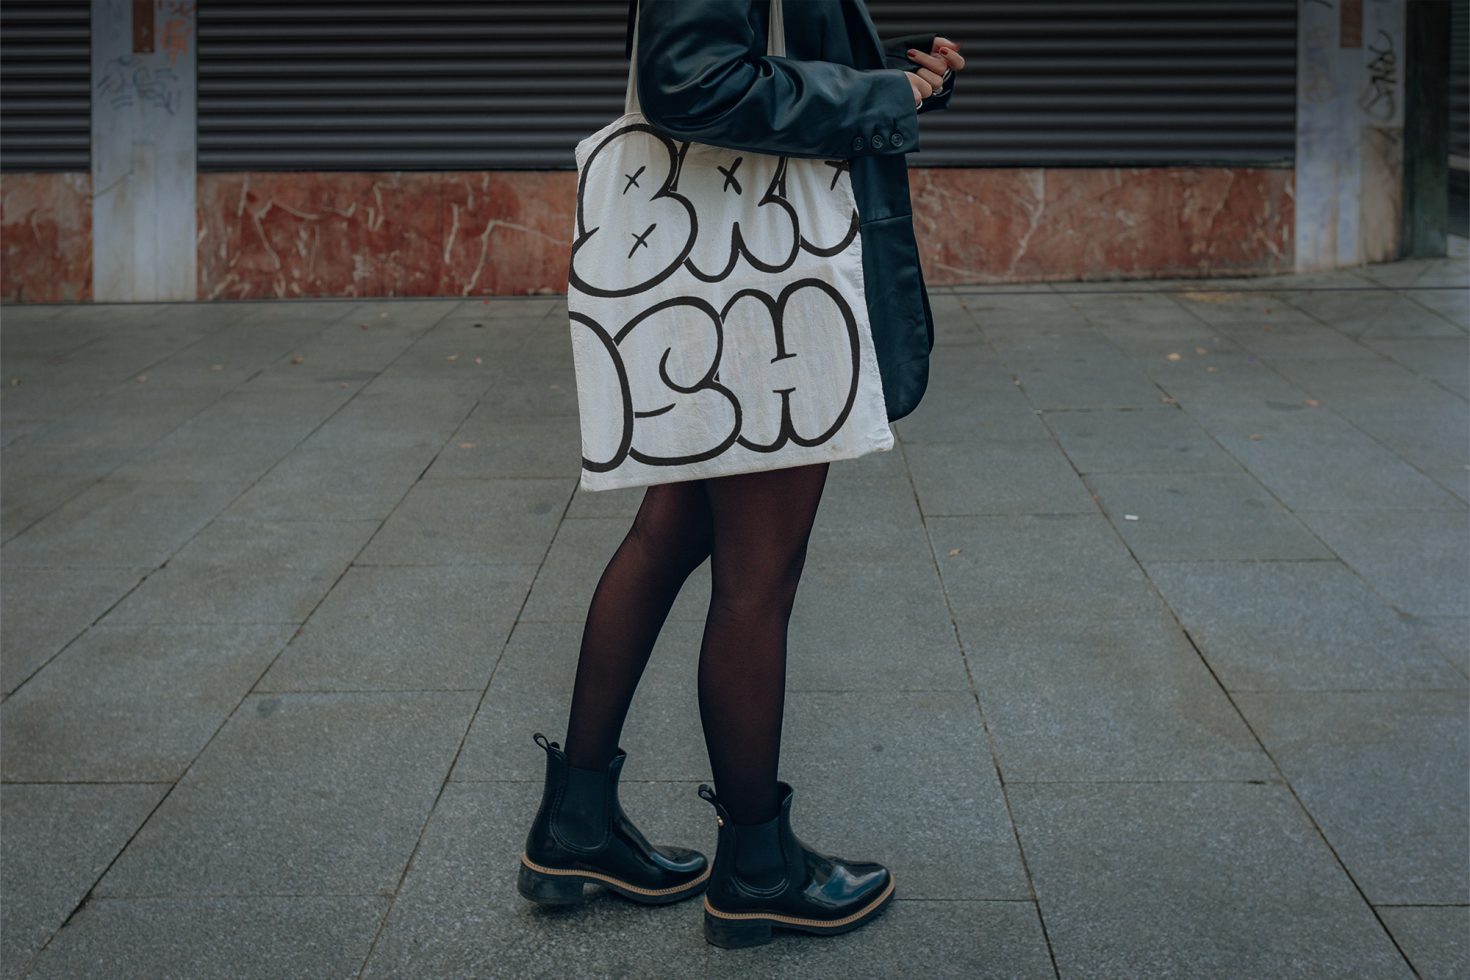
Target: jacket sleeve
pixel 703 75
pixel 895 55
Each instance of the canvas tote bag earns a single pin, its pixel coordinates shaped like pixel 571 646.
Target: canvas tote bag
pixel 717 311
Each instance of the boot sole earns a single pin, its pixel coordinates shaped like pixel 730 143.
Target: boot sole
pixel 561 887
pixel 737 930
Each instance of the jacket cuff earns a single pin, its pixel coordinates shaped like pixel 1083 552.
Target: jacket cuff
pixel 892 124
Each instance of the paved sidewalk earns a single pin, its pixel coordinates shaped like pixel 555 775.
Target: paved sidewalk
pixel 1144 654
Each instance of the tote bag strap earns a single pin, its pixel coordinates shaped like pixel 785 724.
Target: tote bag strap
pixel 775 45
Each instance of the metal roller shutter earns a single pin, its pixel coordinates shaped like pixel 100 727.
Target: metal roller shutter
pixel 45 85
pixel 1101 82
pixel 1460 80
pixel 1460 118
pixel 400 85
pixel 471 84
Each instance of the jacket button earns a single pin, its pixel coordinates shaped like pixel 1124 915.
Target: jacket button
pixel 877 141
pixel 858 142
pixel 896 140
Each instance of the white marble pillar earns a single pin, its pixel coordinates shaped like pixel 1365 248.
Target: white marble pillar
pixel 143 150
pixel 1350 125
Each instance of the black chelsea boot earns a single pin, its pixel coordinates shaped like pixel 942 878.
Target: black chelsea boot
pixel 581 835
pixel 765 878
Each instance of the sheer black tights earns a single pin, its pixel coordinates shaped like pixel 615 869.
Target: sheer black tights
pixel 754 528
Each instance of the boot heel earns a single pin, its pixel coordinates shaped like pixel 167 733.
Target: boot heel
pixel 736 933
pixel 545 889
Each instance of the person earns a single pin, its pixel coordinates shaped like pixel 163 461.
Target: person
pixel 839 93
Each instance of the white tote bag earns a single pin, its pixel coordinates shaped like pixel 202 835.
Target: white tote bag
pixel 717 311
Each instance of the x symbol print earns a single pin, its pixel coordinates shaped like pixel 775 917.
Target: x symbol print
pixel 730 175
pixel 641 239
pixel 633 179
pixel 839 167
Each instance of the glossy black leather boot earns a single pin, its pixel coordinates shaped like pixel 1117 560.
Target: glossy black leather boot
pixel 765 878
pixel 581 835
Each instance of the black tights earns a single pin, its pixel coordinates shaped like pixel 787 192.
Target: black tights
pixel 754 528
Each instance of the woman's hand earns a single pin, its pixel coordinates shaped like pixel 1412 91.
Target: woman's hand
pixel 943 58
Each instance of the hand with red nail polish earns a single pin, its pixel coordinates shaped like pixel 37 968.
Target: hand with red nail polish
pixel 935 67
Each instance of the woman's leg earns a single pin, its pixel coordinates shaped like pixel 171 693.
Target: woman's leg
pixel 670 538
pixel 762 522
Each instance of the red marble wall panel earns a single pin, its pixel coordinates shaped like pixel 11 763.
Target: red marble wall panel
pixel 1028 224
pixel 268 234
pixel 46 237
pixel 383 234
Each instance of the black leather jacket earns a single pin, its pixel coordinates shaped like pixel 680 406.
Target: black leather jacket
pixel 703 75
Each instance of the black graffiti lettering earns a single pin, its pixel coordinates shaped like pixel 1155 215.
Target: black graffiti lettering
pixel 633 179
pixel 839 167
pixel 783 229
pixel 1381 98
pixel 593 270
pixel 730 175
pixel 642 239
pixel 608 347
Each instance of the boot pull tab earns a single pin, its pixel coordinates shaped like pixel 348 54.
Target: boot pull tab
pixel 541 741
pixel 708 795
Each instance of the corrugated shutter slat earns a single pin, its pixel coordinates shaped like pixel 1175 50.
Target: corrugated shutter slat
pixel 1209 81
pixel 392 84
pixel 45 85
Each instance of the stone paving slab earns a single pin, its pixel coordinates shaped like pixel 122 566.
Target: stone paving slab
pixel 120 523
pixel 914 938
pixel 1066 377
pixel 1334 467
pixel 859 627
pixel 332 485
pixel 622 503
pixel 386 628
pixel 396 413
pixel 1254 308
pixel 58 840
pixel 1116 699
pixel 531 691
pixel 490 522
pixel 1152 440
pixel 1451 633
pixel 966 414
pixel 1310 625
pixel 1194 879
pixel 486 447
pixel 300 794
pixel 458 913
pixel 123 416
pixel 131 703
pixel 1362 313
pixel 1399 828
pixel 247 572
pixel 1450 303
pixel 207 936
pixel 996 478
pixel 239 436
pixel 44 609
pixel 1034 568
pixel 1436 939
pixel 907 779
pixel 34 482
pixel 1202 515
pixel 1208 729
pixel 1417 561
